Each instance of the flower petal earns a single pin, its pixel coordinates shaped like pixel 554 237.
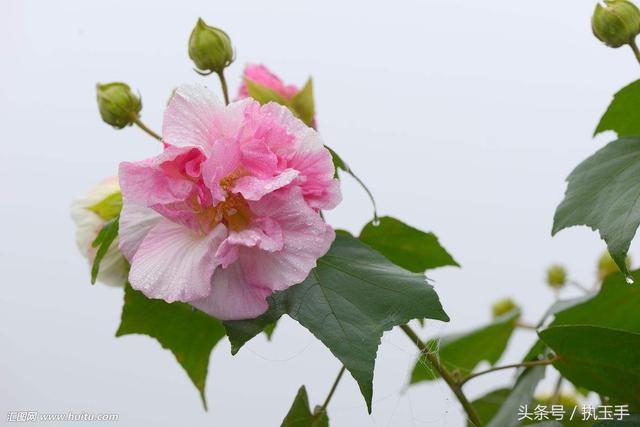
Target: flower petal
pixel 253 188
pixel 175 264
pixel 232 297
pixel 305 236
pixel 195 116
pixel 135 223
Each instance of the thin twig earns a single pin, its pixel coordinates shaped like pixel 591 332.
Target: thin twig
pixel 225 90
pixel 634 48
pixel 446 376
pixel 144 127
pixel 323 408
pixel 514 365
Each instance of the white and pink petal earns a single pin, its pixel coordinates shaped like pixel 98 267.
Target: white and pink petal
pixel 175 264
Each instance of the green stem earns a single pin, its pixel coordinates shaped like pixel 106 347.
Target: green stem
pixel 225 89
pixel 144 127
pixel 634 48
pixel 323 408
pixel 514 365
pixel 445 374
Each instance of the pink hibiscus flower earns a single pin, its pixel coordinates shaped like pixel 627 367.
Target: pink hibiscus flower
pixel 260 74
pixel 229 211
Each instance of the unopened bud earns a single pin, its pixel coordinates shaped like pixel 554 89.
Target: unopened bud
pixel 556 276
pixel 210 48
pixel 503 306
pixel 616 23
pixel 118 105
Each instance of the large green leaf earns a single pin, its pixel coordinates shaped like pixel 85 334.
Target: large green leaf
pixel 623 114
pixel 603 193
pixel 406 246
pixel 347 302
pixel 601 359
pixel 463 352
pixel 616 306
pixel 188 333
pixel 521 394
pixel 300 414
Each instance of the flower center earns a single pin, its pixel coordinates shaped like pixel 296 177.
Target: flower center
pixel 233 211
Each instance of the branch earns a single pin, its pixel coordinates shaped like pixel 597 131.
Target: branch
pixel 514 365
pixel 445 374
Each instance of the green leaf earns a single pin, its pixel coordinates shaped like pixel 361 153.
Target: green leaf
pixel 347 302
pixel 303 105
pixel 488 405
pixel 406 246
pixel 521 394
pixel 268 330
pixel 623 114
pixel 109 207
pixel 340 164
pixel 604 193
pixel 103 241
pixel 188 333
pixel 616 306
pixel 463 352
pixel 263 94
pixel 300 414
pixel 602 359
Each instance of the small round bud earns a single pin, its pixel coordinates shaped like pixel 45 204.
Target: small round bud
pixel 503 306
pixel 210 48
pixel 118 105
pixel 617 23
pixel 556 276
pixel 607 266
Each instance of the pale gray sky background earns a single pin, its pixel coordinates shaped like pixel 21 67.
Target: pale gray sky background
pixel 463 117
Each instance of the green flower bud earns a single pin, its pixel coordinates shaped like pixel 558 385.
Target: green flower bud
pixel 556 276
pixel 117 104
pixel 210 48
pixel 617 23
pixel 503 306
pixel 607 266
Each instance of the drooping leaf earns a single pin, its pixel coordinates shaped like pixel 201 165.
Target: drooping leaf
pixel 103 242
pixel 602 359
pixel 303 104
pixel 109 207
pixel 463 352
pixel 189 334
pixel 521 394
pixel 603 193
pixel 623 114
pixel 263 94
pixel 300 414
pixel 348 301
pixel 406 246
